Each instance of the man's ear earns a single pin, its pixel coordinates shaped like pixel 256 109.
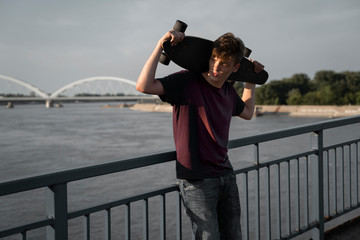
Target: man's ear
pixel 236 67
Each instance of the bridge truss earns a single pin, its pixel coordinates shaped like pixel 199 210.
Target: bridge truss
pixel 103 88
pixel 105 85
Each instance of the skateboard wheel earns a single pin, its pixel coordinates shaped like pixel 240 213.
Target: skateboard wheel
pixel 180 26
pixel 247 52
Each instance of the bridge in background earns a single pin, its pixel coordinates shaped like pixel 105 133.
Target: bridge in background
pixel 128 93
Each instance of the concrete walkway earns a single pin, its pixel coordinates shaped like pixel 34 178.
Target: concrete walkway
pixel 350 230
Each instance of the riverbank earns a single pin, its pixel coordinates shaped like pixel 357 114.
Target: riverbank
pixel 309 110
pixel 151 107
pixel 294 111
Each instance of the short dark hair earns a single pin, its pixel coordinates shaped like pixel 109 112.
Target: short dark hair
pixel 228 46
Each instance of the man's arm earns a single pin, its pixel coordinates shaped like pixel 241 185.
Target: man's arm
pixel 248 95
pixel 248 98
pixel 146 82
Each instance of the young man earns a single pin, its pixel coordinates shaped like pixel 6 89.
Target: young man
pixel 203 105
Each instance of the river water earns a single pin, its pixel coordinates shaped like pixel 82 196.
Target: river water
pixel 35 140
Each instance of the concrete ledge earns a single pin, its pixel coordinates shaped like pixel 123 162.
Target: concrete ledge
pixel 309 110
pixel 295 111
pixel 150 107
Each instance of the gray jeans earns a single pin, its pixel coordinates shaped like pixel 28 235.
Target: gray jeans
pixel 213 206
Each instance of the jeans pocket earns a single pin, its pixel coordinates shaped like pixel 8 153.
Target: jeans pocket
pixel 189 185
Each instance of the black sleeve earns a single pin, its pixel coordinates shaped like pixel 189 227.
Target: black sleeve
pixel 239 106
pixel 174 86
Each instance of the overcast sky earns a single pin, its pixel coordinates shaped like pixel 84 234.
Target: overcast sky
pixel 50 43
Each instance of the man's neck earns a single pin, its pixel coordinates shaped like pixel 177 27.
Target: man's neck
pixel 215 83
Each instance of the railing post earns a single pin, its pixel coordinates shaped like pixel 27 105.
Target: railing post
pixel 317 144
pixel 57 210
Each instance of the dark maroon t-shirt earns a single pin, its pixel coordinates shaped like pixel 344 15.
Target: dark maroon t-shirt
pixel 201 121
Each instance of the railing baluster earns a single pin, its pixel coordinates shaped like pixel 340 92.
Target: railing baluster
pixel 162 217
pixel 357 172
pixel 297 195
pixel 335 181
pixel 146 219
pixel 342 179
pixel 23 235
pixel 288 200
pixel 178 217
pixel 127 221
pixel 108 224
pixel 306 192
pixel 246 206
pixel 328 183
pixel 278 200
pixel 257 205
pixel 349 178
pixel 268 205
pixel 321 184
pixel 87 227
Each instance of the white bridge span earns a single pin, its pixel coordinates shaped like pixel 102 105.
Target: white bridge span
pixel 26 85
pixel 92 79
pixel 55 95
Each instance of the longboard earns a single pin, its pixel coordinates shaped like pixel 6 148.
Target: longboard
pixel 193 54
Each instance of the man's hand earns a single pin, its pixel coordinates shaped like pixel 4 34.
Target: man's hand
pixel 174 36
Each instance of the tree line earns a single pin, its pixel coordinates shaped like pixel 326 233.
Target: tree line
pixel 327 88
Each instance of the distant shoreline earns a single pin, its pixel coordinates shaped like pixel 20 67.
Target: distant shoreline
pixel 326 111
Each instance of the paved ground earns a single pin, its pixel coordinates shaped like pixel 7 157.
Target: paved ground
pixel 350 230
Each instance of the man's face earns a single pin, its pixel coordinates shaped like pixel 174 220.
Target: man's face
pixel 221 69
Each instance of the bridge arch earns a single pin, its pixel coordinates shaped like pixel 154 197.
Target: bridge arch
pixel 91 79
pixel 26 85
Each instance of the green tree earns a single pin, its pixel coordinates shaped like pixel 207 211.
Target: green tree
pixel 311 98
pixel 357 101
pixel 327 88
pixel 326 96
pixel 294 97
pixel 299 81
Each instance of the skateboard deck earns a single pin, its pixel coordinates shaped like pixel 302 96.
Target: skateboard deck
pixel 193 54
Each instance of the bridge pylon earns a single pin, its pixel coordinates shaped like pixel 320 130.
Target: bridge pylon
pixel 49 103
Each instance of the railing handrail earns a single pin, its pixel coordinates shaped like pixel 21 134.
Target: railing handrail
pixel 67 176
pixel 293 131
pixel 83 173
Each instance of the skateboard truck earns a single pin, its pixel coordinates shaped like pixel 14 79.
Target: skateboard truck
pixel 179 26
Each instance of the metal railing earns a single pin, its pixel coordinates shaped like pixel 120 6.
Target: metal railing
pixel 281 199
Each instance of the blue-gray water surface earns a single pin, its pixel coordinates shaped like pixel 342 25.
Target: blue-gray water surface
pixel 35 141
